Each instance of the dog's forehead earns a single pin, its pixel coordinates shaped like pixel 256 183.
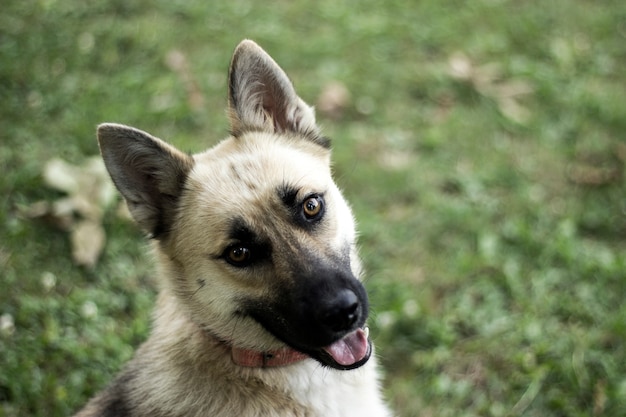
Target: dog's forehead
pixel 241 171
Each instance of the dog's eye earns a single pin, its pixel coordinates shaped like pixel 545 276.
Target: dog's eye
pixel 238 255
pixel 313 207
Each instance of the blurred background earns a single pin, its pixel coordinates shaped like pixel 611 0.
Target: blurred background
pixel 481 143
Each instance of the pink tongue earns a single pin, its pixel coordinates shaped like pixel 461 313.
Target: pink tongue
pixel 349 350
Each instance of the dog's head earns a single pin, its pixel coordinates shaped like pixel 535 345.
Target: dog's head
pixel 254 237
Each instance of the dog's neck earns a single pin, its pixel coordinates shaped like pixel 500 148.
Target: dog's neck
pixel 251 358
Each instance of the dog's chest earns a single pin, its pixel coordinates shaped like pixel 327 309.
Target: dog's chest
pixel 320 392
pixel 304 390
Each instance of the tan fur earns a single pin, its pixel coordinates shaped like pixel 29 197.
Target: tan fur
pixel 195 208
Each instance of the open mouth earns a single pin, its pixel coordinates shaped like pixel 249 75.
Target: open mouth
pixel 328 326
pixel 350 352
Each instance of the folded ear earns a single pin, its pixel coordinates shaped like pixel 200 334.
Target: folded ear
pixel 261 97
pixel 149 173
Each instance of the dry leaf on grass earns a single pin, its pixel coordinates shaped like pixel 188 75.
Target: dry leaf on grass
pixel 488 81
pixel 177 62
pixel 333 100
pixel 88 238
pixel 599 168
pixel 89 192
pixel 88 185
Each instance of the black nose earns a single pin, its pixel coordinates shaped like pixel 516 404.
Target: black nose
pixel 341 312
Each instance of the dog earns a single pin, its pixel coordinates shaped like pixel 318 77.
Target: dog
pixel 261 310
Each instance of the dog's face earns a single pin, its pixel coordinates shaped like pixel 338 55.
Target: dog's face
pixel 255 239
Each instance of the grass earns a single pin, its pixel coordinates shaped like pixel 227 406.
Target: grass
pixel 494 238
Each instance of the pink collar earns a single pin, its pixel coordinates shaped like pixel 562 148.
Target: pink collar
pixel 255 359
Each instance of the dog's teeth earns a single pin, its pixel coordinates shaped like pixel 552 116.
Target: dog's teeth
pixel 367 331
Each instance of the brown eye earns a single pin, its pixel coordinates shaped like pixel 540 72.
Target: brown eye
pixel 312 207
pixel 238 255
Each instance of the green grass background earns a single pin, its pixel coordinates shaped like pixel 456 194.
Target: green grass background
pixel 495 248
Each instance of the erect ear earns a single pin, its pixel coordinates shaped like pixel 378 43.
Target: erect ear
pixel 261 97
pixel 149 173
